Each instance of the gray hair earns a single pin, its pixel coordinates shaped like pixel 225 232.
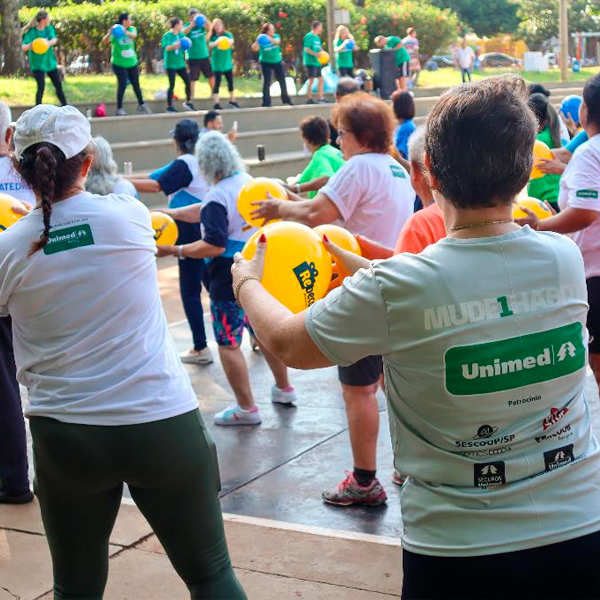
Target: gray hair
pixel 347 86
pixel 102 177
pixel 217 157
pixel 5 120
pixel 416 147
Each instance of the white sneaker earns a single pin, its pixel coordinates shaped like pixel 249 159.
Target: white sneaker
pixel 121 112
pixel 193 357
pixel 283 396
pixel 234 415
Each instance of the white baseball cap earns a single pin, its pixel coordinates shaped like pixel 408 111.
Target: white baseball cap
pixel 64 127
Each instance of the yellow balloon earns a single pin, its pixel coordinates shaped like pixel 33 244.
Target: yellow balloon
pixel 255 191
pixel 165 229
pixel 297 266
pixel 540 150
pixel 344 239
pixel 534 205
pixel 7 216
pixel 323 57
pixel 224 43
pixel 40 45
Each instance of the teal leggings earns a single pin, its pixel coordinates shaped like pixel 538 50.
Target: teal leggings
pixel 171 469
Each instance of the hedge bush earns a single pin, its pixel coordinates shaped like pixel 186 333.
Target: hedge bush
pixel 80 27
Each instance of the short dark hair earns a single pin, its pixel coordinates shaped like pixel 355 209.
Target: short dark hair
pixel 403 105
pixel 315 130
pixel 315 24
pixel 591 97
pixel 210 116
pixel 173 21
pixel 538 88
pixel 122 17
pixel 480 142
pixel 538 103
pixel 346 86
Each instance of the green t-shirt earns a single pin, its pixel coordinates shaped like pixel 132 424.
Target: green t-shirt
pixel 123 50
pixel 221 60
pixel 271 53
pixel 548 186
pixel 313 42
pixel 174 59
pixel 484 344
pixel 402 55
pixel 199 49
pixel 41 62
pixel 325 162
pixel 345 58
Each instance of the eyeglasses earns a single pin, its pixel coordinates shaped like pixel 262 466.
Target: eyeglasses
pixel 342 133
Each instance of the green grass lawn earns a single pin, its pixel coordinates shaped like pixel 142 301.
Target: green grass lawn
pixel 98 88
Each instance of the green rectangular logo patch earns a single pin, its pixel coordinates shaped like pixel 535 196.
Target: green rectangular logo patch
pixel 70 238
pixel 515 362
pixel 398 171
pixel 587 194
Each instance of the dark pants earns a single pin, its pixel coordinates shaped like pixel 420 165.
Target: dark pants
pixel 171 469
pixel 123 76
pixel 564 570
pixel 267 70
pixel 172 74
pixel 346 71
pixel 465 74
pixel 191 275
pixel 40 78
pixel 218 76
pixel 13 440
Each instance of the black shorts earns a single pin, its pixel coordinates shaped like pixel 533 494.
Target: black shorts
pixel 593 318
pixel 313 71
pixel 403 69
pixel 199 65
pixel 366 371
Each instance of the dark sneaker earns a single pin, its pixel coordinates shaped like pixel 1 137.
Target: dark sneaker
pixel 322 101
pixel 349 493
pixel 217 106
pixel 171 109
pixel 289 103
pixel 189 106
pixel 310 101
pixel 234 104
pixel 144 109
pixel 6 498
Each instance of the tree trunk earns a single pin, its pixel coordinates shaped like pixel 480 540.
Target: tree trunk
pixel 10 37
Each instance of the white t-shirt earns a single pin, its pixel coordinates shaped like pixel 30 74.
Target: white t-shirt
pixel 124 187
pixel 580 188
pixel 90 336
pixel 485 345
pixel 12 184
pixel 466 56
pixel 374 196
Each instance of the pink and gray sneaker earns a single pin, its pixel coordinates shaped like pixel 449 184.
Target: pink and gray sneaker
pixel 286 396
pixel 350 493
pixel 234 415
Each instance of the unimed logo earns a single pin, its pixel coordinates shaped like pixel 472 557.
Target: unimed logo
pixel 514 362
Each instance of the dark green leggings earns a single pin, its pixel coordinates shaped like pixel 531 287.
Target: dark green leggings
pixel 171 469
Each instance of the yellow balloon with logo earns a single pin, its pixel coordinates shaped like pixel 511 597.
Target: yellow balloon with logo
pixel 297 266
pixel 165 229
pixel 323 57
pixel 40 45
pixel 224 43
pixel 536 206
pixel 540 150
pixel 344 239
pixel 7 216
pixel 255 191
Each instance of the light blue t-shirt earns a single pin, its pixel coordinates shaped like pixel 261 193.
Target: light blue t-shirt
pixel 579 139
pixel 485 351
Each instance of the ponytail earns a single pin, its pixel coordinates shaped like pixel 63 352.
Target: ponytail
pixel 40 16
pixel 45 165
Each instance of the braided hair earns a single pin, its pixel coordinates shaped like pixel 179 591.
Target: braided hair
pixel 50 175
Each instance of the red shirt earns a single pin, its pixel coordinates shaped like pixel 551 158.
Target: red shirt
pixel 425 227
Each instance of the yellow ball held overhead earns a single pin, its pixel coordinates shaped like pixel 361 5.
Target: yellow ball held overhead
pixel 165 229
pixel 540 150
pixel 323 57
pixel 40 45
pixel 224 43
pixel 534 205
pixel 255 191
pixel 297 266
pixel 344 239
pixel 7 216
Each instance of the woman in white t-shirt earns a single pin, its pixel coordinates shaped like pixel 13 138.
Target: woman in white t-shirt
pixel 103 177
pixel 484 343
pixel 579 202
pixel 109 401
pixel 370 195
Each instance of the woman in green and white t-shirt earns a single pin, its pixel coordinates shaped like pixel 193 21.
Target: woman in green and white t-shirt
pixel 344 45
pixel 484 342
pixel 221 45
pixel 42 63
pixel 124 60
pixel 174 58
pixel 268 46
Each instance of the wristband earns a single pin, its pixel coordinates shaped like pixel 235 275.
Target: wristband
pixel 238 287
pixel 180 253
pixel 298 188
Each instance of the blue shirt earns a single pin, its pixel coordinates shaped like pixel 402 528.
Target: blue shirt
pixel 579 139
pixel 402 135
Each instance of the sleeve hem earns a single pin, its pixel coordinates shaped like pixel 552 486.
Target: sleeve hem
pixel 335 198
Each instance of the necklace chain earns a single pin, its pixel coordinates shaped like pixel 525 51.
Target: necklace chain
pixel 480 224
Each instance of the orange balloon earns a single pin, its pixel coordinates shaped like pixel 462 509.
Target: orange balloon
pixel 344 239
